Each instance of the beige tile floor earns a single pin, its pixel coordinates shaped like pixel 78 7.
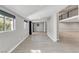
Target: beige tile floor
pixel 41 43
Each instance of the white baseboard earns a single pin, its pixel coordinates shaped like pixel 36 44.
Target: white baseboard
pixel 17 45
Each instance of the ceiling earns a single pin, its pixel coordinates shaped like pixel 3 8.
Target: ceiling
pixel 25 10
pixel 35 12
pixel 46 12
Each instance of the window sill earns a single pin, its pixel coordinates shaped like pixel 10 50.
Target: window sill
pixel 6 31
pixel 71 19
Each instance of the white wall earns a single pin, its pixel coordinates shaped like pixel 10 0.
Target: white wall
pixel 39 28
pixel 9 40
pixel 26 30
pixel 52 28
pixel 45 26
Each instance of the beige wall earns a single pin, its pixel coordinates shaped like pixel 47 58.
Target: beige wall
pixel 69 26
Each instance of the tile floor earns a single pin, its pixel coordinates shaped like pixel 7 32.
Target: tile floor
pixel 41 43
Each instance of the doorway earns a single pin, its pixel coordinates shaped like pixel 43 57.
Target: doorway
pixel 30 29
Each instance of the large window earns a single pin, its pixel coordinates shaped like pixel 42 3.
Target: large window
pixel 25 24
pixel 6 22
pixel 68 12
pixel 1 24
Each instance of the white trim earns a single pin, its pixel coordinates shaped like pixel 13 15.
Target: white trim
pixel 17 45
pixel 63 20
pixel 6 31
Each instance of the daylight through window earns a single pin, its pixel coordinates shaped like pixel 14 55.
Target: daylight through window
pixel 6 22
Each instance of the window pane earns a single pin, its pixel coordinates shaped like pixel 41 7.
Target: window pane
pixel 1 24
pixel 73 12
pixel 1 16
pixel 8 24
pixel 64 16
pixel 24 25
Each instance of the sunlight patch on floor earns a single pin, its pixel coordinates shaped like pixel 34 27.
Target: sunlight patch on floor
pixel 35 51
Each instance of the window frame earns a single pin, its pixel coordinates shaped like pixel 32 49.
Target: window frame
pixel 3 23
pixel 4 26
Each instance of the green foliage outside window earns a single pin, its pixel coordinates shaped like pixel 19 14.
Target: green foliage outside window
pixel 6 24
pixel 1 24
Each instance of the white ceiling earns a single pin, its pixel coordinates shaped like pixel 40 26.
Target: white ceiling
pixel 25 10
pixel 46 12
pixel 35 12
